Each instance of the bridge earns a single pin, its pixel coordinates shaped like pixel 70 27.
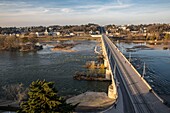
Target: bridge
pixel 138 96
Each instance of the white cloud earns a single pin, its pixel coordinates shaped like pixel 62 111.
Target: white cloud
pixel 118 11
pixel 102 8
pixel 16 5
pixel 46 10
pixel 119 2
pixel 66 10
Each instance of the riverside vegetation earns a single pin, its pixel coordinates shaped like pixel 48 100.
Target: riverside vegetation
pixel 43 98
pixel 14 43
pixel 40 97
pixel 96 70
pixel 28 43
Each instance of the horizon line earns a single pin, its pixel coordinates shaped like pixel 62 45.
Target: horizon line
pixel 3 26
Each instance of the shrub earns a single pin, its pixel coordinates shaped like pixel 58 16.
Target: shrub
pixel 43 98
pixel 14 92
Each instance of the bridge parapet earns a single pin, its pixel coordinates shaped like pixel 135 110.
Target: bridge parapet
pixel 140 93
pixel 112 89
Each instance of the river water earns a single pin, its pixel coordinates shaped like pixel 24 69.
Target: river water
pixel 157 63
pixel 19 67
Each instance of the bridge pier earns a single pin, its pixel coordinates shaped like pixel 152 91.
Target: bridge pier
pixel 108 69
pixel 105 62
pixel 108 74
pixel 112 93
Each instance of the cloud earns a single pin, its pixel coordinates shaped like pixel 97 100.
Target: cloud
pixel 16 5
pixel 23 8
pixel 77 12
pixel 46 10
pixel 102 8
pixel 119 2
pixel 105 6
pixel 66 10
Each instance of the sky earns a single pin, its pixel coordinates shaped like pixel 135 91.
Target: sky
pixel 76 12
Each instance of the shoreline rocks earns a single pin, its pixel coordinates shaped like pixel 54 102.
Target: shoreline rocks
pixel 91 101
pixel 83 76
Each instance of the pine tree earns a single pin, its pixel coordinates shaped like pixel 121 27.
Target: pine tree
pixel 43 98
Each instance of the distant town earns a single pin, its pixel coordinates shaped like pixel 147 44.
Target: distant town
pixel 14 38
pixel 144 31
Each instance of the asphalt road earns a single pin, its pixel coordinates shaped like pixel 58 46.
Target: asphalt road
pixel 137 95
pixel 127 103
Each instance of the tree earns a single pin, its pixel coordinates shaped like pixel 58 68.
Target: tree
pixel 153 37
pixel 43 98
pixel 2 39
pixel 167 37
pixel 14 92
pixel 11 43
pixel 24 39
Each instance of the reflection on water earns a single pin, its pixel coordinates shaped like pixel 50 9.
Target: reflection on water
pixel 18 67
pixel 157 65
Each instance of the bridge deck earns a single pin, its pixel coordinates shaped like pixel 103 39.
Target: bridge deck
pixel 143 99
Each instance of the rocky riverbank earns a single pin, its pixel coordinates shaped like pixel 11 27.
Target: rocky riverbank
pixel 159 47
pixel 92 77
pixel 91 101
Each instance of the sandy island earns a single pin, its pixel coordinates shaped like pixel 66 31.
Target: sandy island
pixel 67 47
pixel 63 50
pixel 158 47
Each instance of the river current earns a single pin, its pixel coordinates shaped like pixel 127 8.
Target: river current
pixel 59 67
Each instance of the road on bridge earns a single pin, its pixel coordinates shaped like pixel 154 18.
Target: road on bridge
pixel 137 96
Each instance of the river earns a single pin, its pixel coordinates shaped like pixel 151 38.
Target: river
pixel 59 67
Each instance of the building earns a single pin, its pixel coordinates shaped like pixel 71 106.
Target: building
pixel 168 32
pixel 58 33
pixel 79 33
pixel 46 32
pixel 17 35
pixel 37 34
pixel 72 34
